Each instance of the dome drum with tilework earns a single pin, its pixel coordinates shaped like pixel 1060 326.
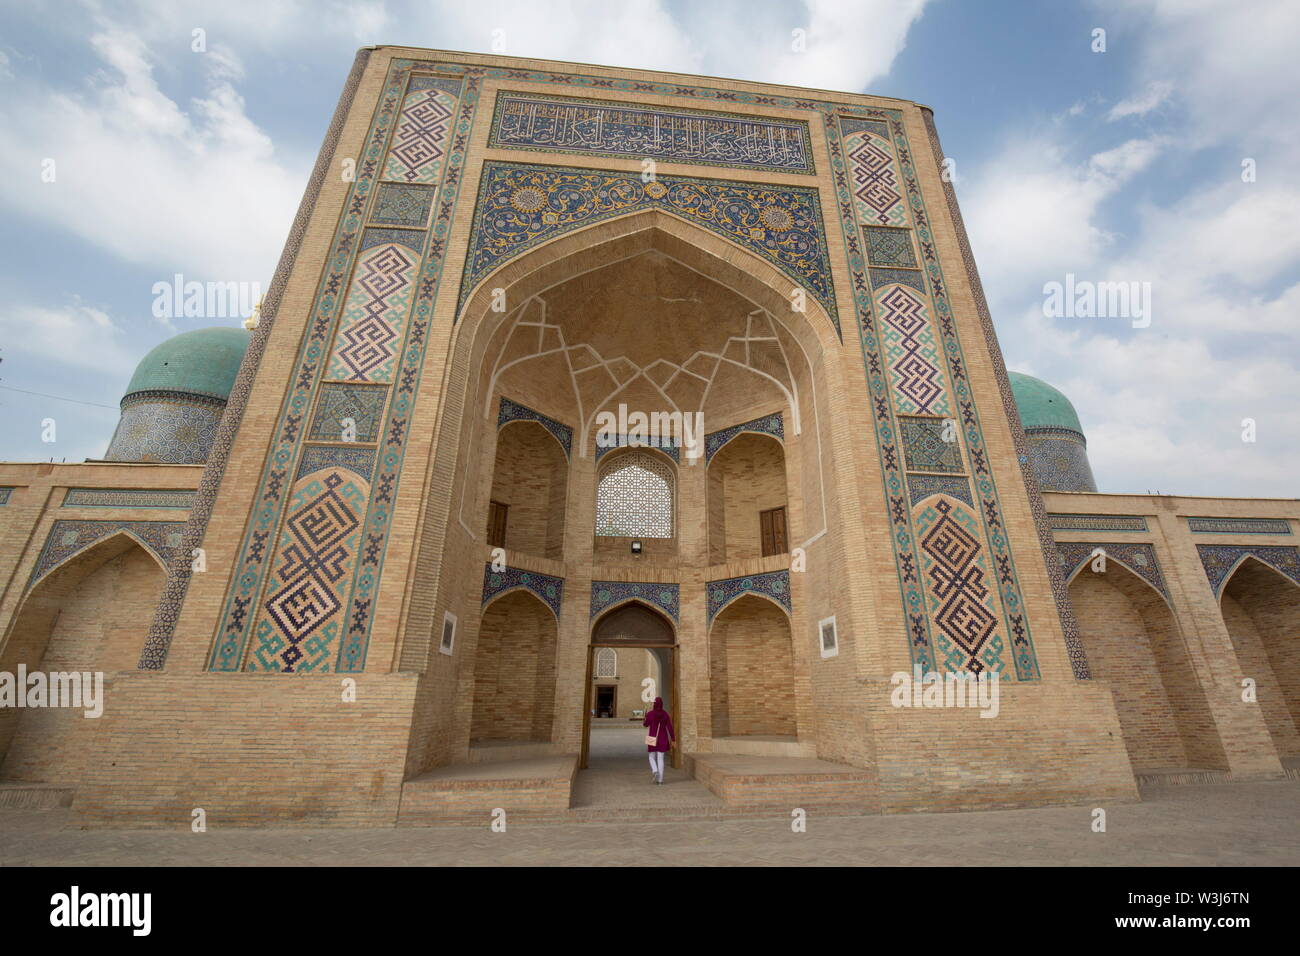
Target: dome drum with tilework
pixel 174 401
pixel 1058 449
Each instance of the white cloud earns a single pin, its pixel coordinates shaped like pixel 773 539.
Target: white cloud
pixel 1231 64
pixel 77 337
pixel 1142 103
pixel 1163 406
pixel 198 190
pixel 1033 213
pixel 849 44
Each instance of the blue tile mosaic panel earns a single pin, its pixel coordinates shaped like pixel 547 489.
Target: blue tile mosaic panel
pixel 607 594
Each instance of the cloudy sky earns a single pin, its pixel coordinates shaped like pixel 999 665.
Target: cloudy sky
pixel 1122 165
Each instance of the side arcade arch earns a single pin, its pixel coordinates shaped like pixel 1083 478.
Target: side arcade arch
pixel 1135 645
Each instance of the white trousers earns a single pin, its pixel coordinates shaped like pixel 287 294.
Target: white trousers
pixel 657 762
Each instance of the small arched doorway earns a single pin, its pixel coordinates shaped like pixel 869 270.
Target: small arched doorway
pixel 643 645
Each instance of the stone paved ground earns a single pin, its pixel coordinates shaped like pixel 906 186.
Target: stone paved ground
pixel 1240 824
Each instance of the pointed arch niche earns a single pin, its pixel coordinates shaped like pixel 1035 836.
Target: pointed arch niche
pixel 514 672
pixel 85 615
pixel 529 491
pixel 751 671
pixel 748 503
pixel 1135 646
pixel 1261 609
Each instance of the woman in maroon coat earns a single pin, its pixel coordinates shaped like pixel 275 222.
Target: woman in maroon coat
pixel 659 726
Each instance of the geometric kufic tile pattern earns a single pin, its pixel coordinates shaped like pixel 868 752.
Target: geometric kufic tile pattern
pixel 419 147
pixel 606 594
pixel 910 349
pixel 1220 560
pixel 339 401
pixel 1138 558
pixel 1047 546
pixel 67 538
pixel 772 424
pixel 875 181
pixel 1062 522
pixel 402 204
pixel 550 589
pixel 407 374
pixel 298 630
pixel 891 247
pixel 636 131
pixel 1239 525
pixel 861 162
pixel 374 317
pixel 521 206
pixel 920 487
pixel 773 584
pixel 127 498
pixel 270 503
pixel 924 447
pixel 960 601
pixel 511 411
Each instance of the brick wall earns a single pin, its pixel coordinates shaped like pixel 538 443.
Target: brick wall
pixel 1262 612
pixel 247 748
pixel 530 476
pixel 85 616
pixel 751 670
pixel 1120 652
pixel 749 475
pixel 514 671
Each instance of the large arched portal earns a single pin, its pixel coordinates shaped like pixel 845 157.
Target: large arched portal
pixel 1261 609
pixel 637 348
pixel 1135 646
pixel 84 617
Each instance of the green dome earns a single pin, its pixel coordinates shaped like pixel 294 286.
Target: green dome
pixel 202 362
pixel 1042 406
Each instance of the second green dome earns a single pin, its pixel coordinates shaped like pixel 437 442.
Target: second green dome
pixel 202 362
pixel 1041 405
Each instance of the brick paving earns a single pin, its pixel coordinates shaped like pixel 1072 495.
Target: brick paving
pixel 1237 824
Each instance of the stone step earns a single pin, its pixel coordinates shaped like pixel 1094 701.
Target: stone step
pixel 744 781
pixel 474 790
pixel 1169 778
pixel 35 796
pixel 599 815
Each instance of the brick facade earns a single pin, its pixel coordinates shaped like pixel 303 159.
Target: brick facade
pixel 653 307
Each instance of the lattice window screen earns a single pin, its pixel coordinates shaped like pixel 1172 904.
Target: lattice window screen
pixel 634 498
pixel 607 662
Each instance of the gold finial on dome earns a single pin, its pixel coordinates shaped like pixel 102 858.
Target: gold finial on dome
pixel 254 320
